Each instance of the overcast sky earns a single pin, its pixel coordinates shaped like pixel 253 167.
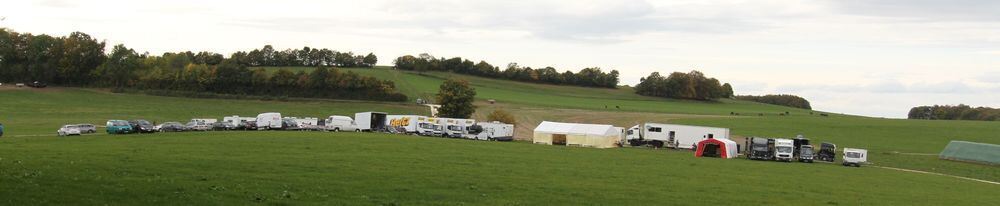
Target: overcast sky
pixel 866 57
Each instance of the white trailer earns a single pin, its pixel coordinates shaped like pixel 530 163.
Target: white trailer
pixel 341 123
pixel 496 131
pixel 308 123
pixel 672 135
pixel 269 120
pixel 370 121
pixel 855 157
pixel 404 123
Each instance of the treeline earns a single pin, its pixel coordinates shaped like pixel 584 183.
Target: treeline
pixel 691 85
pixel 306 56
pixel 778 99
pixel 79 60
pixel 959 112
pixel 588 77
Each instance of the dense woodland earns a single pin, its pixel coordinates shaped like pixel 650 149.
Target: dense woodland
pixel 693 85
pixel 588 77
pixel 959 112
pixel 80 60
pixel 778 99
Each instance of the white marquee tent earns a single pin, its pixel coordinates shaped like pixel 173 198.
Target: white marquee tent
pixel 584 135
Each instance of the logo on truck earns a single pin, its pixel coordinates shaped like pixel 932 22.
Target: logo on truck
pixel 401 122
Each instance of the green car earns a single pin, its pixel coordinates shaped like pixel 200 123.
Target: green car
pixel 119 127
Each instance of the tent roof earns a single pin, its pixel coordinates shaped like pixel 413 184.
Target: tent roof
pixel 575 128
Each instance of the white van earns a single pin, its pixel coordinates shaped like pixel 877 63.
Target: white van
pixel 855 157
pixel 270 120
pixel 341 123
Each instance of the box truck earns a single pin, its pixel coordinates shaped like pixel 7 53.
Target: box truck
pixel 371 121
pixel 429 127
pixel 406 124
pixel 758 148
pixel 338 123
pixel 672 135
pixel 783 149
pixel 269 120
pixel 457 128
pixel 496 131
pixel 855 157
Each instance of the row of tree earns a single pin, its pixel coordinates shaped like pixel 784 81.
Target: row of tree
pixel 79 60
pixel 959 112
pixel 588 77
pixel 691 85
pixel 778 99
pixel 306 56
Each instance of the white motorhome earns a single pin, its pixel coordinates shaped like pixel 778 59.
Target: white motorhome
pixel 270 120
pixel 672 135
pixel 783 149
pixel 855 157
pixel 341 123
pixel 370 121
pixel 403 123
pixel 496 131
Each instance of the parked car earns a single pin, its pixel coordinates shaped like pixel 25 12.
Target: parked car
pixel 220 126
pixel 68 130
pixel 170 127
pixel 37 84
pixel 197 126
pixel 87 128
pixel 1 129
pixel 142 126
pixel 249 125
pixel 118 127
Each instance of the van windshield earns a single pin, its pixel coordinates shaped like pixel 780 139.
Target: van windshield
pixel 784 149
pixel 455 128
pixel 426 126
pixel 119 123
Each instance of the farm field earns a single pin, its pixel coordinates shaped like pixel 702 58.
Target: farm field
pixel 319 167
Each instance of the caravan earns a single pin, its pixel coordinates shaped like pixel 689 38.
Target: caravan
pixel 270 120
pixel 672 135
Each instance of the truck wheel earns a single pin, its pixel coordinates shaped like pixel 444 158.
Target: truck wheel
pixel 656 144
pixel 336 129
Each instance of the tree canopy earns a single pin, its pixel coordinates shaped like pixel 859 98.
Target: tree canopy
pixel 588 77
pixel 779 99
pixel 456 97
pixel 954 112
pixel 692 85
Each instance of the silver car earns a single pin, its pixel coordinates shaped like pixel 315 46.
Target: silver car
pixel 87 128
pixel 68 130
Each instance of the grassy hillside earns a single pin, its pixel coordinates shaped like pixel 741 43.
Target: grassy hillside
pixel 360 168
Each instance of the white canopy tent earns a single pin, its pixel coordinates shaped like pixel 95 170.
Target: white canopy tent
pixel 584 135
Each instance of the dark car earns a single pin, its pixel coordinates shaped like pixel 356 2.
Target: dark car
pixel 221 126
pixel 1 129
pixel 171 127
pixel 142 126
pixel 248 125
pixel 37 84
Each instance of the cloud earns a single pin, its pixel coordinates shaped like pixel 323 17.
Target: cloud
pixel 923 10
pixel 887 87
pixel 58 4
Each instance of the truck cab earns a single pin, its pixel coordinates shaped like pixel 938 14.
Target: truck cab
pixel 783 149
pixel 855 157
pixel 757 149
pixel 806 153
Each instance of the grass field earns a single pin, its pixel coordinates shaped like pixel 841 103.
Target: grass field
pixel 360 168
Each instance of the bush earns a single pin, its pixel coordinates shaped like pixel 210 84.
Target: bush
pixel 780 99
pixel 501 116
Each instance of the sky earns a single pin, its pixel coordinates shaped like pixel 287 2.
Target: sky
pixel 865 57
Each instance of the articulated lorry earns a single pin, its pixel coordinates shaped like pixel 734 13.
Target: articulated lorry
pixel 672 135
pixel 827 152
pixel 406 124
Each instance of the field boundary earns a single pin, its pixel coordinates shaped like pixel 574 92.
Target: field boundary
pixel 934 173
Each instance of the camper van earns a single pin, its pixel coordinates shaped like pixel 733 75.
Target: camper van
pixel 370 121
pixel 496 131
pixel 783 149
pixel 855 157
pixel 672 135
pixel 340 123
pixel 270 120
pixel 403 123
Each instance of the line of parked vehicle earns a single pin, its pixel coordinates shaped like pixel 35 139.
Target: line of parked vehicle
pixel 366 122
pixel 799 149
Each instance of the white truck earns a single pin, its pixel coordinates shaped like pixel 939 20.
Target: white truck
pixel 496 131
pixel 855 157
pixel 370 121
pixel 269 120
pixel 340 123
pixel 672 135
pixel 429 127
pixel 783 149
pixel 406 124
pixel 457 128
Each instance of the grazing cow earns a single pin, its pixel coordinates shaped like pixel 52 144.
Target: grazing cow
pixel 823 114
